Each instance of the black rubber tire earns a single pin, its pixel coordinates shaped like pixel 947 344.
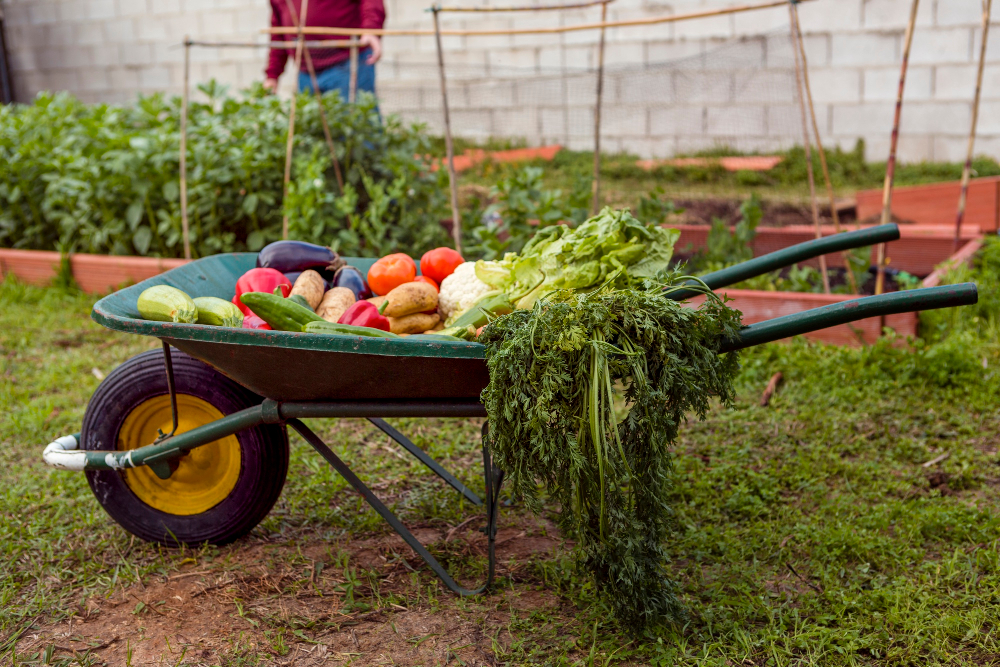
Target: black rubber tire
pixel 263 449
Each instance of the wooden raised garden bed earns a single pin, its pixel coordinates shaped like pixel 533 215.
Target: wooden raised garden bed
pixel 98 274
pixel 937 204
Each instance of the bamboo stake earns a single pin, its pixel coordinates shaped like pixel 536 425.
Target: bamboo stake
pixel 526 8
pixel 807 144
pixel 319 99
pixel 890 167
pixel 309 44
pixel 596 183
pixel 352 86
pixel 819 147
pixel 967 170
pixel 291 121
pixel 536 31
pixel 185 226
pixel 456 220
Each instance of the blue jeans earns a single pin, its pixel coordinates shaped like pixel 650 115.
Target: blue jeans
pixel 338 77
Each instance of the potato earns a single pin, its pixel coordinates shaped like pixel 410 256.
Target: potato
pixel 310 286
pixel 334 303
pixel 410 298
pixel 377 300
pixel 413 323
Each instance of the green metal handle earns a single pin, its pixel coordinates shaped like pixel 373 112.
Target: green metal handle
pixel 793 254
pixel 928 298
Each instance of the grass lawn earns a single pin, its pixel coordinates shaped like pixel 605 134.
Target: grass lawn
pixel 816 530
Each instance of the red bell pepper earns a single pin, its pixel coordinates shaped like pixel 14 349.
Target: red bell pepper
pixel 260 280
pixel 251 321
pixel 365 314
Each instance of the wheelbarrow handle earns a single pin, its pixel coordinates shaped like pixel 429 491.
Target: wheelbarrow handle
pixel 793 254
pixel 928 298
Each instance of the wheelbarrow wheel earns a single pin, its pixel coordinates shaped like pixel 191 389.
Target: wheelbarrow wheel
pixel 218 492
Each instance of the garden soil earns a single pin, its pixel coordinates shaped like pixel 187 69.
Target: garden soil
pixel 209 617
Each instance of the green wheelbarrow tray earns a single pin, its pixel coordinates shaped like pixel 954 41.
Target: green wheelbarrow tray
pixel 287 366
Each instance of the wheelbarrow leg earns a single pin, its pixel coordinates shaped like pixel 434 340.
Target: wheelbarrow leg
pixel 426 459
pixel 493 479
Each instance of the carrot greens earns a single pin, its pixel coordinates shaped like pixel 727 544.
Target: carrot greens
pixel 587 392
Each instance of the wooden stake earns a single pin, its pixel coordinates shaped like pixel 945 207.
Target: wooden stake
pixel 291 120
pixel 352 86
pixel 185 225
pixel 806 143
pixel 456 220
pixel 596 183
pixel 319 99
pixel 890 167
pixel 672 18
pixel 967 170
pixel 819 146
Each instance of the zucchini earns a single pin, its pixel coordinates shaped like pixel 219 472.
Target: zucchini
pixel 325 327
pixel 218 312
pixel 163 303
pixel 282 314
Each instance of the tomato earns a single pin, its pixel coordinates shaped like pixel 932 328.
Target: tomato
pixel 429 281
pixel 391 271
pixel 440 263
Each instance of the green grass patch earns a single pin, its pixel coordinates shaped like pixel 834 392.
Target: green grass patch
pixel 810 530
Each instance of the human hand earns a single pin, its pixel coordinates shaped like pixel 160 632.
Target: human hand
pixel 374 42
pixel 271 85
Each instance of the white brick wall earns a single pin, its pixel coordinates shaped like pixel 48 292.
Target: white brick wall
pixel 109 50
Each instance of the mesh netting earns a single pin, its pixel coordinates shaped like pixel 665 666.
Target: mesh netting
pixel 739 94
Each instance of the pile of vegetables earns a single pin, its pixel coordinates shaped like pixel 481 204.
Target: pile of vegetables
pixel 303 287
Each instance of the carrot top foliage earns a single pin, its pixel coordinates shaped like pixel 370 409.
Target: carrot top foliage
pixel 586 395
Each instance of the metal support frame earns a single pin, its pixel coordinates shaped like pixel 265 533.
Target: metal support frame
pixel 427 460
pixel 492 478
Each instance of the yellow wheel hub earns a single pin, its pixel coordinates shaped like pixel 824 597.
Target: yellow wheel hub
pixel 204 477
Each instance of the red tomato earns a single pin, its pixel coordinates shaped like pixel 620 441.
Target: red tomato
pixel 439 263
pixel 429 281
pixel 390 272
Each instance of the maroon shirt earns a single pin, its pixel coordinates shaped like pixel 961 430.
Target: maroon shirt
pixel 322 13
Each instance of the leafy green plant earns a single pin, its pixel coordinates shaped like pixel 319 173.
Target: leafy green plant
pixel 105 178
pixel 654 208
pixel 724 247
pixel 557 374
pixel 522 206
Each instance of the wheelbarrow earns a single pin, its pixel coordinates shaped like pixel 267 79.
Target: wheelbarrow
pixel 192 446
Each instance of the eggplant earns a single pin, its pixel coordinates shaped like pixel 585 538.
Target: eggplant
pixel 297 256
pixel 351 278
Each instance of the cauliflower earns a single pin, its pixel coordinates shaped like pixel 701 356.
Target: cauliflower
pixel 461 290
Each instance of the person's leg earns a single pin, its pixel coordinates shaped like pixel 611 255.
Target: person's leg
pixel 366 73
pixel 335 78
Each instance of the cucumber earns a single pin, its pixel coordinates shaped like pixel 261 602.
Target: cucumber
pixel 281 314
pixel 163 303
pixel 325 327
pixel 218 312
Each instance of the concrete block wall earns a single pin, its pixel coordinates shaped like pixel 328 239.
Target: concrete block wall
pixel 108 50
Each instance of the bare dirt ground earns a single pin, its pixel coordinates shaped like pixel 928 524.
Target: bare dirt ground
pixel 239 611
